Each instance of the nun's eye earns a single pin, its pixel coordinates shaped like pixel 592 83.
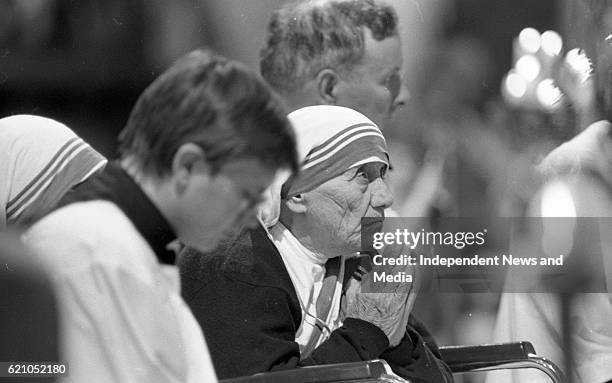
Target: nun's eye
pixel 361 174
pixel 383 172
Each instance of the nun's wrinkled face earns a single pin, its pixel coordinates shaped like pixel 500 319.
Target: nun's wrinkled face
pixel 334 209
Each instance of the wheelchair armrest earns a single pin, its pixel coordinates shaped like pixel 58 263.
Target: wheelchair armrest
pixel 362 372
pixel 467 358
pixel 499 356
pixel 458 358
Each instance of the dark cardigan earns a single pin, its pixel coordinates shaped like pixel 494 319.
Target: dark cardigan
pixel 243 297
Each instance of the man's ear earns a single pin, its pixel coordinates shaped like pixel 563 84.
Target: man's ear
pixel 296 204
pixel 327 86
pixel 188 160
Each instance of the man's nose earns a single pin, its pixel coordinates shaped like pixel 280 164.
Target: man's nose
pixel 403 96
pixel 381 194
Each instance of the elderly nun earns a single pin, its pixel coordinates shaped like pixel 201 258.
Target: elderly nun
pixel 274 296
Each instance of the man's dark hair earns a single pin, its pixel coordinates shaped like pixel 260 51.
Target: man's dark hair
pixel 215 103
pixel 306 37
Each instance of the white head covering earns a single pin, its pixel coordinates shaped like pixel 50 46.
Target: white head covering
pixel 40 160
pixel 330 140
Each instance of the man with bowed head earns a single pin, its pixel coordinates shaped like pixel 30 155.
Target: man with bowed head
pixel 286 296
pixel 201 144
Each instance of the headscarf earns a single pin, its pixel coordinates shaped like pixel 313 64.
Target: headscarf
pixel 40 160
pixel 330 140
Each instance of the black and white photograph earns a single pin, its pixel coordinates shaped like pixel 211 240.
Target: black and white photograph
pixel 306 191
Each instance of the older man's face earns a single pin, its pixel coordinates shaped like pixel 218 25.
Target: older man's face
pixel 375 86
pixel 334 209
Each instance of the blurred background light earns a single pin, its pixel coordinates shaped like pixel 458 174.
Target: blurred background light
pixel 548 94
pixel 529 40
pixel 579 62
pixel 528 66
pixel 557 201
pixel 558 234
pixel 516 85
pixel 551 43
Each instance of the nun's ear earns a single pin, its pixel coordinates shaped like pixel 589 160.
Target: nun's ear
pixel 296 204
pixel 327 86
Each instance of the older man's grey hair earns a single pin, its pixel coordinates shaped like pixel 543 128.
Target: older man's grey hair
pixel 308 36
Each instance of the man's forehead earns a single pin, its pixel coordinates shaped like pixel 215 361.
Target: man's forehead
pixel 385 54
